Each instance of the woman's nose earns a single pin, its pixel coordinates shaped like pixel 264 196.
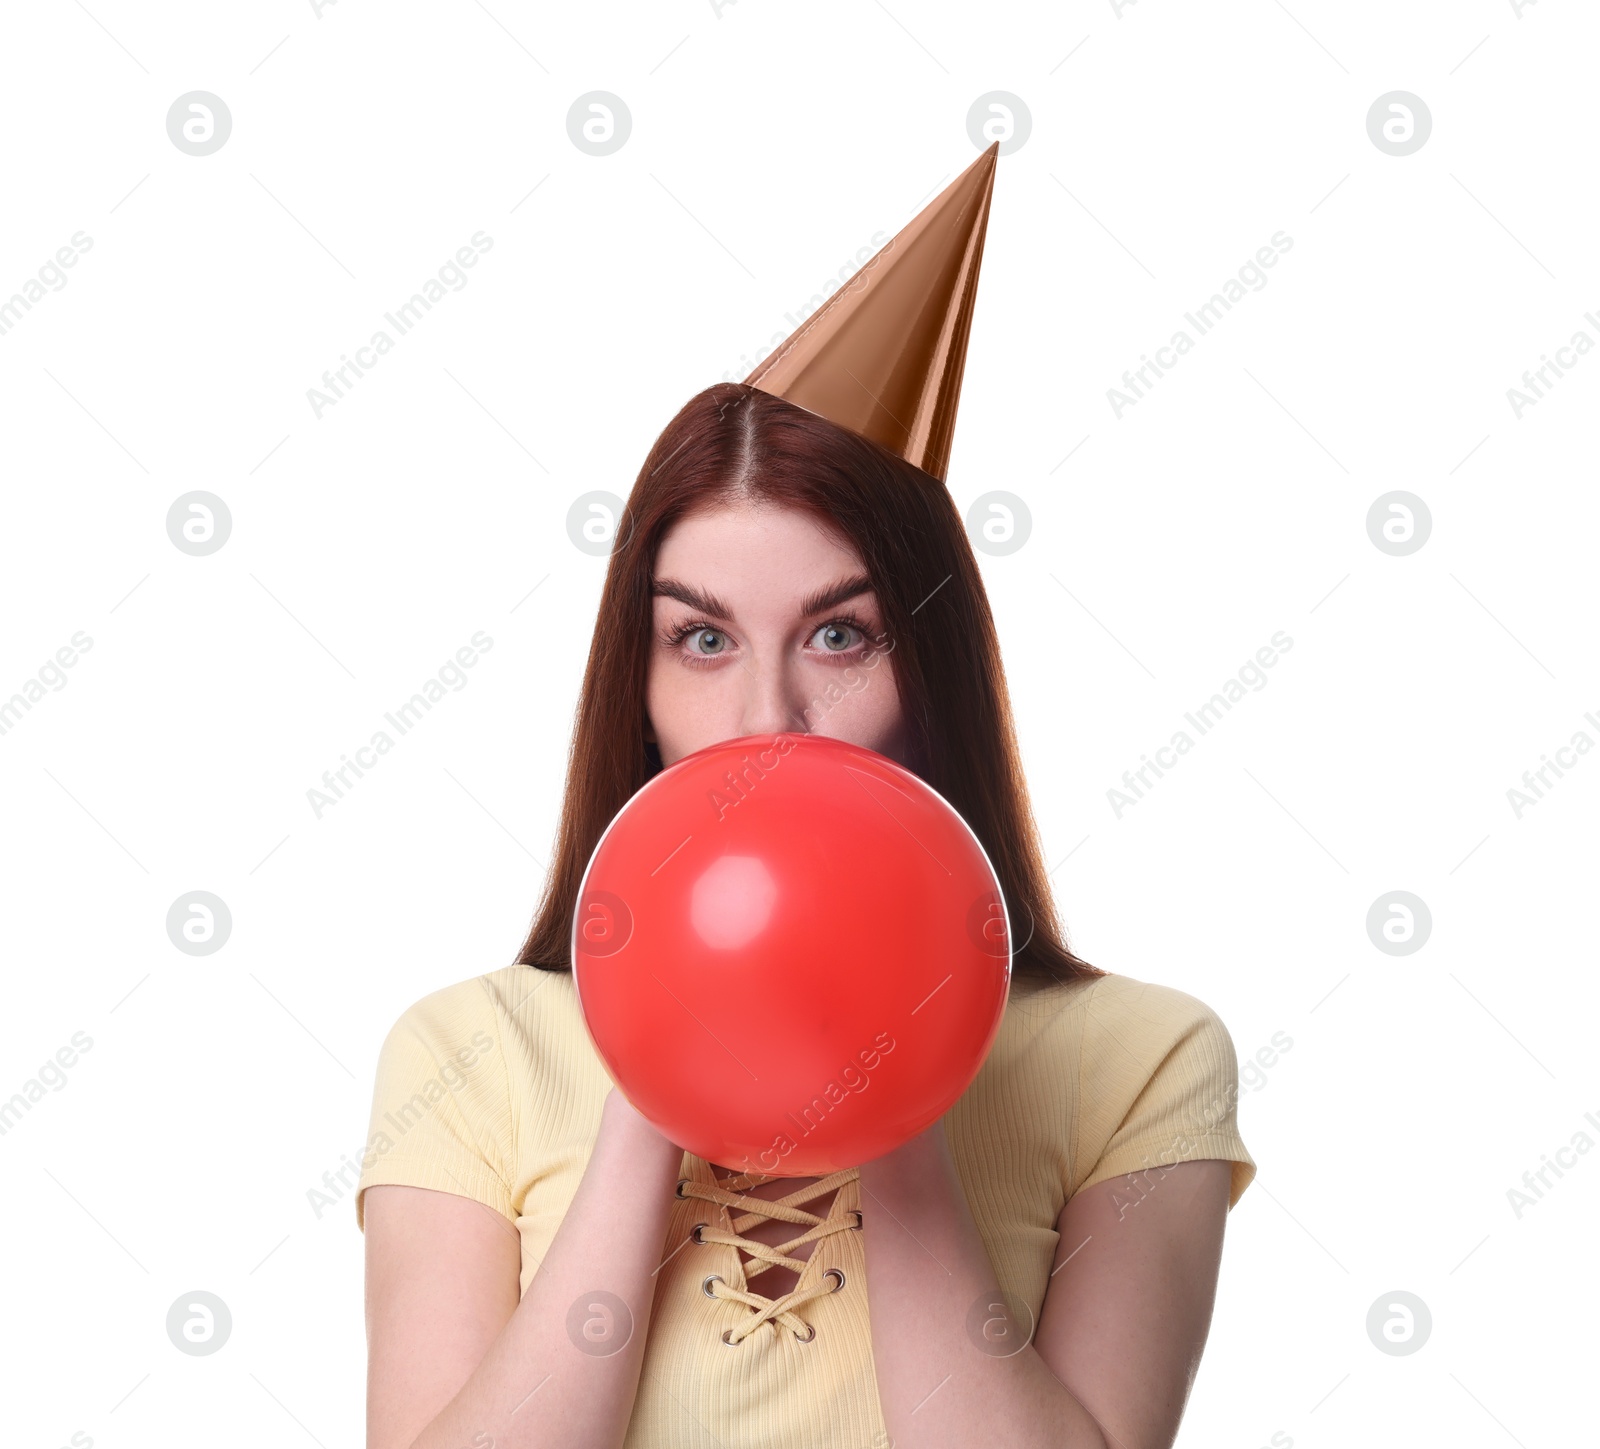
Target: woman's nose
pixel 771 704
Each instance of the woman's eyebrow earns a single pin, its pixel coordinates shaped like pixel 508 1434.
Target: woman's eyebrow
pixel 708 603
pixel 697 599
pixel 836 594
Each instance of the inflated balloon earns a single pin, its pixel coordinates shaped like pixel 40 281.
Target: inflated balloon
pixel 791 953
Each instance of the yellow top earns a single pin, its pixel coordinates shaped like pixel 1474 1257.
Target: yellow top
pixel 492 1089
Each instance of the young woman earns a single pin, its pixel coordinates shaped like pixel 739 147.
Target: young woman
pixel 1036 1268
pixel 536 1275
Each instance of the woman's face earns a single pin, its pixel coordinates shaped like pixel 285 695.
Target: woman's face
pixel 765 623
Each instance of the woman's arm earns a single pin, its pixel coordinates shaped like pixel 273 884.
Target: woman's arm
pixel 1124 1318
pixel 455 1360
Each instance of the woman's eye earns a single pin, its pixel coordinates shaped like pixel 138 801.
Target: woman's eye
pixel 713 639
pixel 835 638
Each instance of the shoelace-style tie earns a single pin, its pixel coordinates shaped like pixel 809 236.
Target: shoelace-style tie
pixel 788 1209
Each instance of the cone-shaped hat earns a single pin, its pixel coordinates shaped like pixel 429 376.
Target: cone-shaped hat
pixel 884 355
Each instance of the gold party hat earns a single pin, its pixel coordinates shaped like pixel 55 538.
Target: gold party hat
pixel 883 356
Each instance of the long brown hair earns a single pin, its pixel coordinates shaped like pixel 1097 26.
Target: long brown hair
pixel 734 442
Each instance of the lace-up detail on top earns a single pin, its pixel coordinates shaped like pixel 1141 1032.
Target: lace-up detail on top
pixel 787 1209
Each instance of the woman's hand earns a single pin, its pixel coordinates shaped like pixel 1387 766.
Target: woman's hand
pixel 928 1273
pixel 453 1353
pixel 914 1158
pixel 620 1117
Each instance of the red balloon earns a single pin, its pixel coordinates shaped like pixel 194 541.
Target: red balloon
pixel 791 953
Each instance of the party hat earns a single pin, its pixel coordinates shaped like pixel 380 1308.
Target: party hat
pixel 883 356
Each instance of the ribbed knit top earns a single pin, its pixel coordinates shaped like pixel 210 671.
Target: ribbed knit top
pixel 491 1088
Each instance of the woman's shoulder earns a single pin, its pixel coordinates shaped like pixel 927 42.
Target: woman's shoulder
pixel 1131 1029
pixel 1111 1012
pixel 1121 1004
pixel 483 1004
pixel 1160 1080
pixel 447 1095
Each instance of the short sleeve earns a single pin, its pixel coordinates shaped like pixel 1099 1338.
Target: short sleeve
pixel 1160 1085
pixel 441 1114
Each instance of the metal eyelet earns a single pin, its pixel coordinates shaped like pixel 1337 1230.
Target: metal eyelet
pixel 809 1336
pixel 835 1273
pixel 856 1228
pixel 729 1341
pixel 677 1192
pixel 694 1236
pixel 708 1280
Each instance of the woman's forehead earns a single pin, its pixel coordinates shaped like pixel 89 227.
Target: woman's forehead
pixel 752 540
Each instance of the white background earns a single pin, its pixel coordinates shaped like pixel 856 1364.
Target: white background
pixel 769 142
